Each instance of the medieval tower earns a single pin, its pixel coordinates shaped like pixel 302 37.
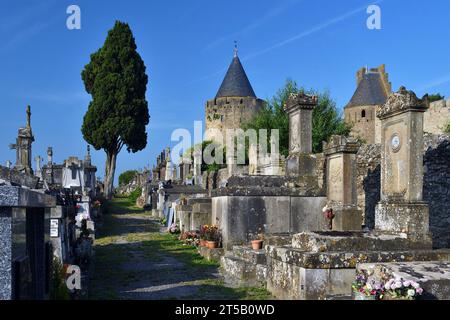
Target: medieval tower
pixel 235 103
pixel 372 89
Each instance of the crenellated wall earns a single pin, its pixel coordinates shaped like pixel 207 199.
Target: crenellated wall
pixel 229 113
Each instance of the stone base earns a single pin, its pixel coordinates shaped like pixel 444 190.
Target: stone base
pixel 401 217
pixel 244 267
pixel 433 277
pixel 347 219
pixel 301 164
pixel 211 254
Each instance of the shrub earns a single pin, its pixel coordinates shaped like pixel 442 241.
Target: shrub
pixel 135 194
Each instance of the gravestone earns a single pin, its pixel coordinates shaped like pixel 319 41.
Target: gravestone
pixel 22 146
pixel 401 209
pixel 300 162
pixel 341 183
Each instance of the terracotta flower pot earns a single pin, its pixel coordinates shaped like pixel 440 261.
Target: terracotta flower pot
pixel 257 244
pixel 211 244
pixel 202 243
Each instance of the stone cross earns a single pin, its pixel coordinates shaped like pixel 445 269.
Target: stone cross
pixel 28 116
pixel 401 209
pixel 50 156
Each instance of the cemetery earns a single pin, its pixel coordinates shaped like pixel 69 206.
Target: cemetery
pixel 319 206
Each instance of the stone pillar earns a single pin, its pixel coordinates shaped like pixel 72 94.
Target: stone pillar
pixel 253 159
pixel 22 146
pixel 38 160
pixel 341 182
pixel 401 209
pixel 198 166
pixel 300 162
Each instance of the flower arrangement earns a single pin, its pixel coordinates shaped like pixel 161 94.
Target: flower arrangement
pixel 209 232
pixel 329 215
pixel 174 229
pixel 367 288
pixel 190 238
pixel 398 288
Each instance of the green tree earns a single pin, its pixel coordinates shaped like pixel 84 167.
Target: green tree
pixel 435 97
pixel 118 113
pixel 126 177
pixel 326 118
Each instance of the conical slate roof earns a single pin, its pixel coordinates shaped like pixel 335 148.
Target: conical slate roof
pixel 235 83
pixel 370 91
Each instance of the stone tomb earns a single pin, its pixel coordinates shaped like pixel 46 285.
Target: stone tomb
pixel 320 264
pixel 24 254
pixel 341 186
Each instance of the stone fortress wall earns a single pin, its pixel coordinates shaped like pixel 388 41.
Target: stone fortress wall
pixel 230 113
pixel 436 187
pixel 437 117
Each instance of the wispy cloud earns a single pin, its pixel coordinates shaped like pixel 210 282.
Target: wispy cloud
pixel 436 82
pixel 294 38
pixel 17 28
pixel 274 12
pixel 311 31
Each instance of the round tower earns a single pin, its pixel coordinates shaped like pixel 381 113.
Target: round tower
pixel 235 103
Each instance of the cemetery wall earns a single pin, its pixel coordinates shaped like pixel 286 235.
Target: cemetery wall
pixel 437 117
pixel 436 187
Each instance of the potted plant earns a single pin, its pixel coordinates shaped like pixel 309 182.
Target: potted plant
pixel 400 289
pixel 203 231
pixel 212 236
pixel 257 242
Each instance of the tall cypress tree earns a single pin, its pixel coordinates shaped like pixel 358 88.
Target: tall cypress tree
pixel 118 113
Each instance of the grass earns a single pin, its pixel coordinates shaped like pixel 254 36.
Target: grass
pixel 128 236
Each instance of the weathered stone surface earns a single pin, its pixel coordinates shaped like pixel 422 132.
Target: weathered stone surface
pixel 244 267
pixel 240 218
pixel 433 276
pixel 18 178
pixel 19 197
pixel 436 184
pixel 353 241
pixel 211 254
pixel 5 253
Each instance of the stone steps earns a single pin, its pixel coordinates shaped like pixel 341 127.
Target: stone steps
pixel 244 267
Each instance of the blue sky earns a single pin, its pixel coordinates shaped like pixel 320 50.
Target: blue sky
pixel 187 46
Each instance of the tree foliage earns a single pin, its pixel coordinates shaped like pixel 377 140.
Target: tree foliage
pixel 435 97
pixel 118 113
pixel 326 118
pixel 126 177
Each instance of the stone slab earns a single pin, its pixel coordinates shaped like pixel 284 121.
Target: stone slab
pixel 354 241
pixel 433 276
pixel 350 259
pixel 11 196
pixel 211 254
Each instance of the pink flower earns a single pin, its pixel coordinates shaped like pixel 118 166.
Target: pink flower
pixel 419 290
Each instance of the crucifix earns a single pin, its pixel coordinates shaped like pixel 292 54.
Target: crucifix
pixel 28 116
